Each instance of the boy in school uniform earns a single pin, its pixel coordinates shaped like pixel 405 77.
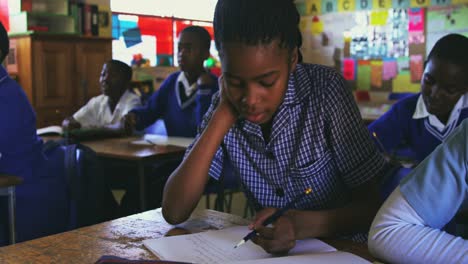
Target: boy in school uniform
pixel 409 226
pixel 285 127
pixel 180 102
pixel 184 96
pixel 417 124
pixel 103 113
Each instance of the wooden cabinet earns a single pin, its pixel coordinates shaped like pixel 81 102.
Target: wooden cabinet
pixel 60 73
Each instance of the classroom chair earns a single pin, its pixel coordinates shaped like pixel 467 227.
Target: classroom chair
pixel 7 188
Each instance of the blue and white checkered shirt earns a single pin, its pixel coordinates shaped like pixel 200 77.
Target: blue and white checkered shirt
pixel 317 140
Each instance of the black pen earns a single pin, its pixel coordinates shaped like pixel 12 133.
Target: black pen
pixel 274 216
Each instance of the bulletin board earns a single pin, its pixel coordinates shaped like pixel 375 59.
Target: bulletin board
pixel 378 45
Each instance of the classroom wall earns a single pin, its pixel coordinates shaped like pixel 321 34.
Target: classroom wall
pixel 379 45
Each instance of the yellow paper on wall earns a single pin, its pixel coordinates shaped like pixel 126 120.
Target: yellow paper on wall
pixel 378 18
pixel 382 4
pixel 402 83
pixel 317 27
pixel 346 5
pixel 313 7
pixel 459 2
pixel 376 73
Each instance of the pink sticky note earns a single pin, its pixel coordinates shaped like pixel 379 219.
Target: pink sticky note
pixel 349 69
pixel 416 19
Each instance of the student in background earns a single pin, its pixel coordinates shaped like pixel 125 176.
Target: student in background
pixel 417 124
pixel 420 122
pixel 103 113
pixel 41 199
pixel 285 127
pixel 180 102
pixel 409 226
pixel 184 96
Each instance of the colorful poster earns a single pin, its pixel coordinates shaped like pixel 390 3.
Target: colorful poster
pixel 313 7
pixel 363 75
pixel 378 18
pixel 403 64
pixel 349 69
pixel 329 6
pixel 400 3
pixel 416 37
pixel 382 4
pixel 390 69
pixel 416 67
pixel 402 84
pixel 346 5
pixel 416 19
pixel 376 73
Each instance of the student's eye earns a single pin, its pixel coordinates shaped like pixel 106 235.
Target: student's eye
pixel 267 84
pixel 268 81
pixel 428 79
pixel 233 83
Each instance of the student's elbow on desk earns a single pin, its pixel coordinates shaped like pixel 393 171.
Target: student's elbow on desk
pixel 173 216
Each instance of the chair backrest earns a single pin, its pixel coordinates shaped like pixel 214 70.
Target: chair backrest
pixel 90 199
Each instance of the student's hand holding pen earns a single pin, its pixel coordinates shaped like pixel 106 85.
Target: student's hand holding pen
pixel 278 238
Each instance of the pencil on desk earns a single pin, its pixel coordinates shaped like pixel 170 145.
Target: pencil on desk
pixel 275 216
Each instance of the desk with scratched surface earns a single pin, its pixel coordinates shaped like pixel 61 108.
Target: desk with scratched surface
pixel 123 238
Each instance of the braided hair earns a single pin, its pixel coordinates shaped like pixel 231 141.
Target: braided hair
pixel 257 22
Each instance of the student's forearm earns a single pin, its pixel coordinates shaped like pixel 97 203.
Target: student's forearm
pixel 186 184
pixel 399 235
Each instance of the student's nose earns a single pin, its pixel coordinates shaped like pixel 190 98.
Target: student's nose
pixel 250 97
pixel 435 91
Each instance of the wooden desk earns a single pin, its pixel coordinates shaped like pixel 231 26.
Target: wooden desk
pixel 123 150
pixel 123 237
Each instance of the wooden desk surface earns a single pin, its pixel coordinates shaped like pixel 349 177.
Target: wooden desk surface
pixel 123 148
pixel 123 237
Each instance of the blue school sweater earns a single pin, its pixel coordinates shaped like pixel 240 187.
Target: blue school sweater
pixel 41 200
pixel 402 135
pixel 180 120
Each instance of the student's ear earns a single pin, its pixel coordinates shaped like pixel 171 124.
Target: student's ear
pixel 293 60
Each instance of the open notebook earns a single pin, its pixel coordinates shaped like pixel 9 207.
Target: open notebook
pixel 217 246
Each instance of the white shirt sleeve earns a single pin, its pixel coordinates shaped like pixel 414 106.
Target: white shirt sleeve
pixel 399 235
pixel 86 116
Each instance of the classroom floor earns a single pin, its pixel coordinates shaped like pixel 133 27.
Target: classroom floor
pixel 237 208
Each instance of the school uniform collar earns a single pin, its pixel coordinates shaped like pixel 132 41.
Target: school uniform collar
pixel 421 112
pixel 184 91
